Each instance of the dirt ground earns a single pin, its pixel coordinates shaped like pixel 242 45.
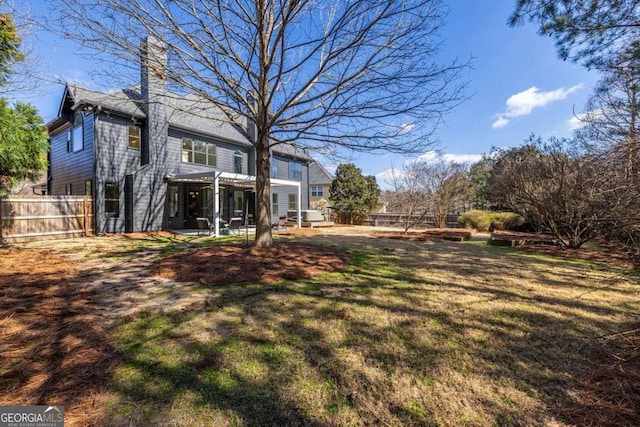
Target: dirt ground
pixel 56 307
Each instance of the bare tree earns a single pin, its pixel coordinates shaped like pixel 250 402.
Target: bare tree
pixel 408 196
pixel 425 189
pixel 323 76
pixel 554 186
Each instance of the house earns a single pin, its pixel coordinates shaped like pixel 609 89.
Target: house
pixel 319 184
pixel 153 160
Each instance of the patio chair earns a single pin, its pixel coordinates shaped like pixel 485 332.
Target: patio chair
pixel 282 223
pixel 205 227
pixel 234 225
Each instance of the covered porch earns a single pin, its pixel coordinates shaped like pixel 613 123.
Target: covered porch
pixel 221 197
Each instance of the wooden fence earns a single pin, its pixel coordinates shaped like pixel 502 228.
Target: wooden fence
pixel 29 218
pixel 400 220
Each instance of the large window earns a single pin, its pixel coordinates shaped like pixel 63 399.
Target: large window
pixel 274 204
pixel 198 152
pixel 295 171
pixel 134 137
pixel 112 200
pixel 293 206
pixel 237 162
pixel 274 167
pixel 78 132
pixel 317 191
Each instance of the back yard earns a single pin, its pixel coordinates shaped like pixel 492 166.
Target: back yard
pixel 335 328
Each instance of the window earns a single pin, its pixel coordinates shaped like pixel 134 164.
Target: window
pixel 112 200
pixel 293 206
pixel 87 188
pixel 274 167
pixel 317 191
pixel 78 132
pixel 237 162
pixel 69 142
pixel 274 204
pixel 134 137
pixel 68 190
pixel 198 152
pixel 295 171
pixel 173 201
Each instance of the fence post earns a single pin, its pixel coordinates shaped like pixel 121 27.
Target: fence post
pixel 84 214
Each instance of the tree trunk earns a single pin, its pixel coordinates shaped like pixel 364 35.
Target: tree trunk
pixel 264 239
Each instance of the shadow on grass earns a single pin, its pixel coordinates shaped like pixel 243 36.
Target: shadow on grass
pixel 379 343
pixel 407 334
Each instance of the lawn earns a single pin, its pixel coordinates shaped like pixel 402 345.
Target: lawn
pixel 404 333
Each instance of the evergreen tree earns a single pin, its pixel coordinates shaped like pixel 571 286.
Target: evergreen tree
pixel 353 195
pixel 23 138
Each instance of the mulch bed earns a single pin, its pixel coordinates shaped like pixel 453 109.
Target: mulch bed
pixel 239 264
pixel 610 394
pixel 54 349
pixel 454 235
pixel 545 244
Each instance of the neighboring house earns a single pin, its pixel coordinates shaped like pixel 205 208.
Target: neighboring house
pixel 154 160
pixel 319 184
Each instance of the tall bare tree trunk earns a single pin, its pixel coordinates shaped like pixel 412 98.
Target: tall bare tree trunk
pixel 264 239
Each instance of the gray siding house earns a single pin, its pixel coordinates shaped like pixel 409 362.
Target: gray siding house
pixel 154 160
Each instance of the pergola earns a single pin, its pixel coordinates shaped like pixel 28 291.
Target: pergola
pixel 217 178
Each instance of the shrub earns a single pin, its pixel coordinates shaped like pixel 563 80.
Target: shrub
pixel 483 221
pixel 506 220
pixel 477 219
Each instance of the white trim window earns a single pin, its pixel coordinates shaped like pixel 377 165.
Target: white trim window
pixel 317 191
pixel 295 171
pixel 134 137
pixel 293 202
pixel 274 204
pixel 198 152
pixel 78 132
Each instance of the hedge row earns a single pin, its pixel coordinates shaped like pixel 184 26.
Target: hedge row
pixel 484 221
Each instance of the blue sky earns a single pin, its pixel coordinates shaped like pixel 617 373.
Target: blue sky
pixel 517 84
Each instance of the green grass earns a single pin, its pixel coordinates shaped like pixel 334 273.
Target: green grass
pixel 408 334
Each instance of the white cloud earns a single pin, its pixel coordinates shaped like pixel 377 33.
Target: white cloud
pixel 462 158
pixel 523 103
pixel 500 123
pixel 580 120
pixel 407 127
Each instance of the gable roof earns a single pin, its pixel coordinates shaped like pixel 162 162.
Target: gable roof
pixel 318 174
pixel 189 113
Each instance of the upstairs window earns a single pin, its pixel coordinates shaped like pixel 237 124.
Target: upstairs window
pixel 69 141
pixel 317 191
pixel 134 137
pixel 295 171
pixel 198 152
pixel 78 132
pixel 237 162
pixel 274 167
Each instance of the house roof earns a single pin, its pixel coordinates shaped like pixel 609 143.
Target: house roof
pixel 318 174
pixel 189 113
